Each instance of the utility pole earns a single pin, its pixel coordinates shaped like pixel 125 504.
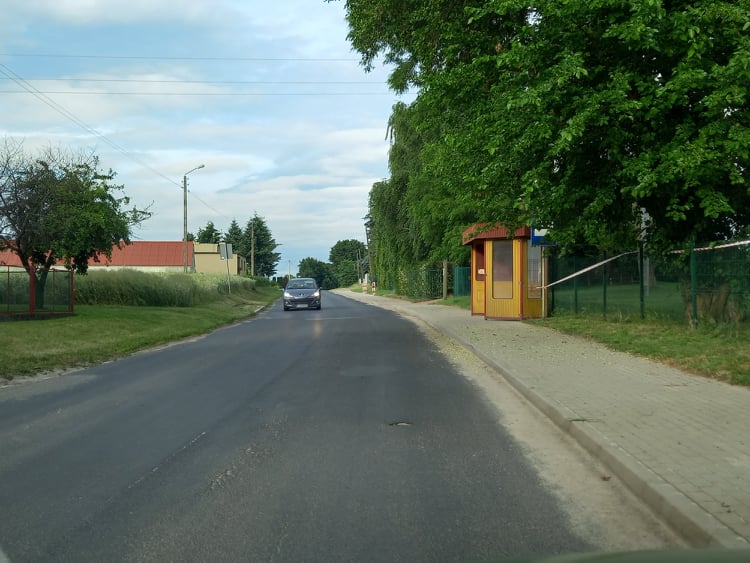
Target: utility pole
pixel 252 248
pixel 184 217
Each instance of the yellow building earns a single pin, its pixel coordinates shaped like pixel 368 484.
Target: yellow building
pixel 207 260
pixel 507 273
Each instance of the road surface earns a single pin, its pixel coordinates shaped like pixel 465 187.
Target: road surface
pixel 346 434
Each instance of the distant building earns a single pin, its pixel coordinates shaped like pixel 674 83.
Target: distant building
pixel 158 256
pixel 208 261
pixel 147 256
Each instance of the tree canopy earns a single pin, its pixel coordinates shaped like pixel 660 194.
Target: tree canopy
pixel 322 272
pixel 209 234
pixel 59 207
pixel 260 247
pixel 606 121
pixel 255 243
pixel 234 237
pixel 348 259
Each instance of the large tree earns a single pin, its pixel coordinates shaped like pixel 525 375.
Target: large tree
pixel 234 237
pixel 59 207
pixel 606 120
pixel 260 247
pixel 209 234
pixel 320 271
pixel 348 259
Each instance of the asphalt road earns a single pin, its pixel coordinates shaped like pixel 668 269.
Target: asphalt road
pixel 334 435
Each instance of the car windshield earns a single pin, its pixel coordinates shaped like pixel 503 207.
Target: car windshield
pixel 302 284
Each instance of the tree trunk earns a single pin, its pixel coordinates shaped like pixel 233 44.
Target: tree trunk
pixel 40 282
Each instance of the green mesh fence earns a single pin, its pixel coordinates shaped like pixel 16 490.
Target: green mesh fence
pixel 427 283
pixel 424 284
pixel 461 281
pixel 16 292
pixel 711 283
pixel 720 282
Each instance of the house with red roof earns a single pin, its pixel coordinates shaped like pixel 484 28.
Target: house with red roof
pixel 158 256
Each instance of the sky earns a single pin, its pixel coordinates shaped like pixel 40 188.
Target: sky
pixel 268 96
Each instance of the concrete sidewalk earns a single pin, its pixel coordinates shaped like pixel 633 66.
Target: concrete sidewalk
pixel 680 442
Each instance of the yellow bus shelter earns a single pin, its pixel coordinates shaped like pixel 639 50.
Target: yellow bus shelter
pixel 507 273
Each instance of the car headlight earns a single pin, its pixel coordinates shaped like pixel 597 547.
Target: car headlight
pixel 316 294
pixel 287 295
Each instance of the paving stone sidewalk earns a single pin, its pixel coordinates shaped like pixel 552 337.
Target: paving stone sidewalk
pixel 680 442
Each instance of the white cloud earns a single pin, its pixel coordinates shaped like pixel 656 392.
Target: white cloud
pixel 96 12
pixel 279 132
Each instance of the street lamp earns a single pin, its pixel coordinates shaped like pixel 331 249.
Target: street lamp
pixel 184 218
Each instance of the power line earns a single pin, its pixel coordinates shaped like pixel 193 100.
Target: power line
pixel 208 205
pixel 11 75
pixel 173 81
pixel 154 58
pixel 72 117
pixel 78 92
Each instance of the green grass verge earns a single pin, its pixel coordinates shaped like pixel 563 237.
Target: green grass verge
pixel 717 351
pixel 98 333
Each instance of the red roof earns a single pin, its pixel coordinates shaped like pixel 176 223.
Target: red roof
pixel 483 231
pixel 7 258
pixel 138 253
pixel 148 253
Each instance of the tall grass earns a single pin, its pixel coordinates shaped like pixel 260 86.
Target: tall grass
pixel 131 287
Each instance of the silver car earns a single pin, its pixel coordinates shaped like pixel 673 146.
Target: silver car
pixel 301 293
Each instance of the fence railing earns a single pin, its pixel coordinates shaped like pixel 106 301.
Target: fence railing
pixel 428 283
pixel 20 294
pixel 708 283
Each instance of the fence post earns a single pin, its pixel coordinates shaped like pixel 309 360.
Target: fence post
pixel 641 281
pixel 605 275
pixel 694 284
pixel 445 280
pixel 8 297
pixel 72 289
pixel 575 288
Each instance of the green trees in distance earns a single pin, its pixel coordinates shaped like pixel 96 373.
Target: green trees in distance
pixel 58 206
pixel 209 234
pixel 259 246
pixel 349 262
pixel 321 271
pixel 605 121
pixel 234 236
pixel 255 243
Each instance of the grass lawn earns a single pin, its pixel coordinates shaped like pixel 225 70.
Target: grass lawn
pixel 664 300
pixel 716 351
pixel 98 333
